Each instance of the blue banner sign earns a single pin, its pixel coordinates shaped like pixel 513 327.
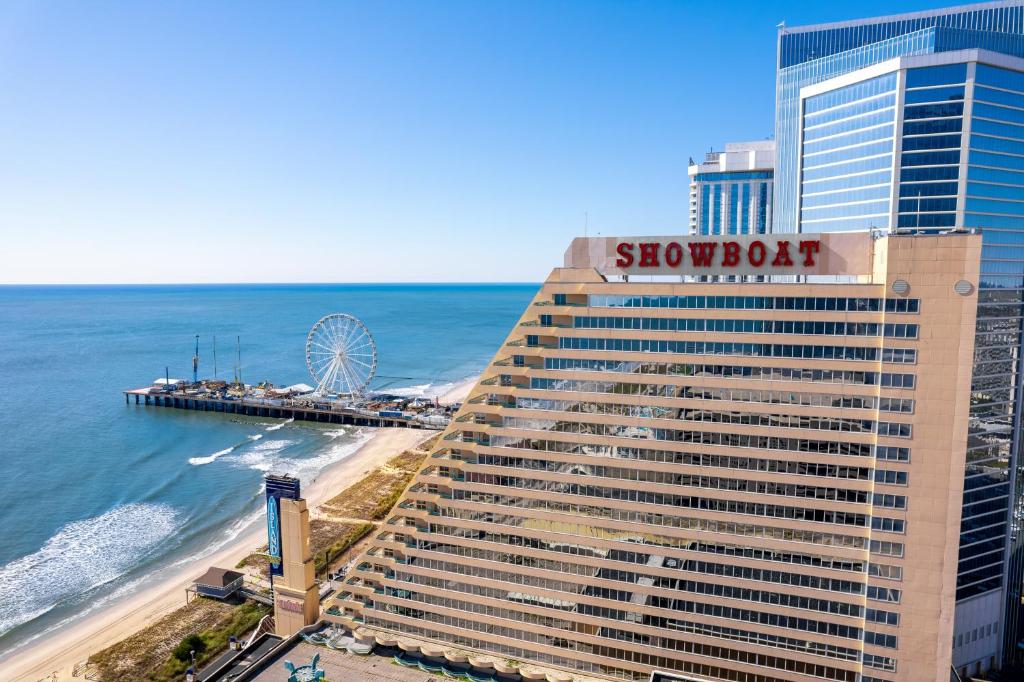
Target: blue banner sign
pixel 278 487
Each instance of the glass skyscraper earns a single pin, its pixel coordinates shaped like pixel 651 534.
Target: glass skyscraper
pixel 916 123
pixel 731 191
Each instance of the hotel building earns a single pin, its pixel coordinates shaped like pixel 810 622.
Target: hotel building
pixel 731 192
pixel 916 123
pixel 754 481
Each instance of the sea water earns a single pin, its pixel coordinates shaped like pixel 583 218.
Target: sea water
pixel 97 497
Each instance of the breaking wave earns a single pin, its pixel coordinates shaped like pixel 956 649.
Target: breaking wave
pixel 82 556
pixel 275 427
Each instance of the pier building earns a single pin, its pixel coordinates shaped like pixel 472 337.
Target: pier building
pixel 757 481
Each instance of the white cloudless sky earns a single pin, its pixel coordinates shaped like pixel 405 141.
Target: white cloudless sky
pixel 346 142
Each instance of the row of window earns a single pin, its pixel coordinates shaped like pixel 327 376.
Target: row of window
pixel 684 435
pixel 853 305
pixel 687 480
pixel 829 376
pixel 804 327
pixel 629 653
pixel 630 540
pixel 645 497
pixel 481 556
pixel 704 461
pixel 902 405
pixel 770 350
pixel 663 599
pixel 645 520
pixel 776 466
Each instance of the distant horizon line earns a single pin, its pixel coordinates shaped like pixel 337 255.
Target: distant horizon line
pixel 249 284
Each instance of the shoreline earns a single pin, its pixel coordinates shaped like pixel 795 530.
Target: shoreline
pixel 59 651
pixel 458 392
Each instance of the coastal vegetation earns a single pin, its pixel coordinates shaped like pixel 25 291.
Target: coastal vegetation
pixel 352 514
pixel 160 652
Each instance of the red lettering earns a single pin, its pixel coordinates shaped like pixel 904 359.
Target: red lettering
pixel 756 253
pixel 649 254
pixel 782 257
pixel 809 248
pixel 731 255
pixel 625 251
pixel 673 254
pixel 702 253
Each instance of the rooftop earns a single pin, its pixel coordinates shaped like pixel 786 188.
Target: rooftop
pixel 921 14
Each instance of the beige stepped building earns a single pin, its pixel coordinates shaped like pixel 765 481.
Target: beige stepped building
pixel 723 481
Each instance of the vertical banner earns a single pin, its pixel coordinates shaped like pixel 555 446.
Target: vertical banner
pixel 274 534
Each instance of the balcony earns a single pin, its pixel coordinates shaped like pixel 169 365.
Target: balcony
pixel 552 325
pixel 521 343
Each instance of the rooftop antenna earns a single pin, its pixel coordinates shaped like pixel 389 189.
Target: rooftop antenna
pixel 238 347
pixel 167 376
pixel 195 363
pixel 215 356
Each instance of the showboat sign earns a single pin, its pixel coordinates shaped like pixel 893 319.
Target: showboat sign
pixel 847 253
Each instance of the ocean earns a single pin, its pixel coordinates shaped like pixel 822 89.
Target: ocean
pixel 97 495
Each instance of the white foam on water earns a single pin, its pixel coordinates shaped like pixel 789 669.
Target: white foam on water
pixel 425 391
pixel 199 461
pixel 81 556
pixel 331 454
pixel 264 456
pixel 256 436
pixel 275 427
pixel 336 433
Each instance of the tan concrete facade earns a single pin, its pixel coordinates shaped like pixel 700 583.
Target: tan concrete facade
pixel 728 481
pixel 296 597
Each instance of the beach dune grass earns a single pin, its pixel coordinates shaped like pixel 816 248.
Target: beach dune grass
pixel 372 497
pixel 153 654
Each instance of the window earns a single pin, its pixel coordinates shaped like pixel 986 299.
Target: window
pixel 891 477
pixel 885 571
pixel 892 454
pixel 885 594
pixel 888 525
pixel 879 639
pixel 889 501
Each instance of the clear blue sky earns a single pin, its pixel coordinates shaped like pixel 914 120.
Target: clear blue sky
pixel 371 141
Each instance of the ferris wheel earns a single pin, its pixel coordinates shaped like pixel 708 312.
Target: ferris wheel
pixel 341 355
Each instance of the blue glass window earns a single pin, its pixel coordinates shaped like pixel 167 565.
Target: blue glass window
pixel 945 125
pixel 997 160
pixel 934 95
pixel 1000 129
pixel 1001 78
pixel 930 158
pixel 762 209
pixel 932 142
pixel 734 200
pixel 997 144
pixel 977 189
pixel 918 174
pixel 1012 99
pixel 716 226
pixel 705 209
pixel 929 189
pixel 745 223
pixel 933 110
pixel 936 75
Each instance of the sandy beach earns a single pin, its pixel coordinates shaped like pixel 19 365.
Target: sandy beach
pixel 55 655
pixel 458 392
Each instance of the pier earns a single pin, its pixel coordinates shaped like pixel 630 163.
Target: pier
pixel 322 412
